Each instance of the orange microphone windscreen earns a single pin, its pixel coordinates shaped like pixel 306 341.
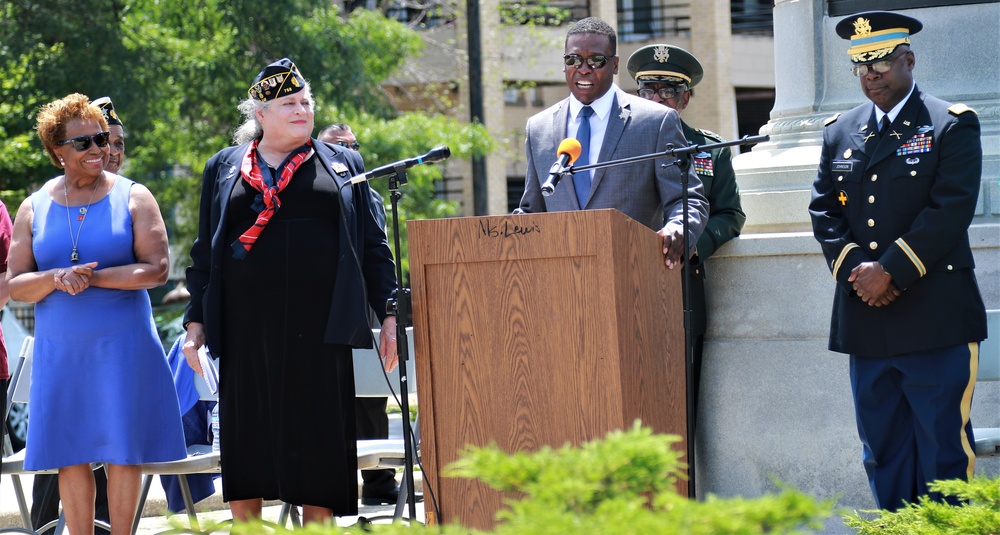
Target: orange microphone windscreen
pixel 570 146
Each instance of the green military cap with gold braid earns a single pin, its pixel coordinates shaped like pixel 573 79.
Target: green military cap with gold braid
pixel 665 64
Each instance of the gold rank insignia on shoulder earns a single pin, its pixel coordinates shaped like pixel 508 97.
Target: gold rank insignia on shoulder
pixel 830 120
pixel 847 154
pixel 959 109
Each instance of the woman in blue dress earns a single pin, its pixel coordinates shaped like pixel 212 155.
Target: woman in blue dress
pixel 85 248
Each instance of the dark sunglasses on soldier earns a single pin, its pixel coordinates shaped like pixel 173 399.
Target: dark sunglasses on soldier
pixel 355 145
pixel 595 62
pixel 82 143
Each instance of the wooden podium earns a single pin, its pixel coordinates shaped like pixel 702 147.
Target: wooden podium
pixel 539 329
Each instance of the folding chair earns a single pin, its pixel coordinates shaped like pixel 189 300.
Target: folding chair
pixel 13 463
pixel 370 380
pixel 200 457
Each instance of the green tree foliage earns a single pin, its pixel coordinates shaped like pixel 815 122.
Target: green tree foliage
pixel 176 72
pixel 979 513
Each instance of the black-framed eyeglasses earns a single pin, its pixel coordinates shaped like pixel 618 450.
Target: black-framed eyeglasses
pixel 666 92
pixel 353 145
pixel 82 143
pixel 594 62
pixel 880 67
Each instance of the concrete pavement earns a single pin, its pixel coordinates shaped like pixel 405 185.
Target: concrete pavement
pixel 210 510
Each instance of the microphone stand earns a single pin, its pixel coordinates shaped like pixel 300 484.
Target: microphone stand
pixel 683 163
pixel 400 306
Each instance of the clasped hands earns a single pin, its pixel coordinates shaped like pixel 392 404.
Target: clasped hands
pixel 873 284
pixel 74 279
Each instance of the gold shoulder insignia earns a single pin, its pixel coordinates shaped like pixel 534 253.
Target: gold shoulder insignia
pixel 831 120
pixel 959 109
pixel 709 134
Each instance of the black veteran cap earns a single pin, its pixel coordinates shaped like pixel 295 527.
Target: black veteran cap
pixel 278 79
pixel 108 109
pixel 665 64
pixel 875 34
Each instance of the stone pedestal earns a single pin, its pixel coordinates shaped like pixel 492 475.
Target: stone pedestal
pixel 776 402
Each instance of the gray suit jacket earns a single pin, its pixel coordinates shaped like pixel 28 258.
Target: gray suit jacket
pixel 645 191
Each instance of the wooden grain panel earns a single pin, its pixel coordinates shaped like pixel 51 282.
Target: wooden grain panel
pixel 534 330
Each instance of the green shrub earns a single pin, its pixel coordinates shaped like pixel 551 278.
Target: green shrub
pixel 624 484
pixel 981 514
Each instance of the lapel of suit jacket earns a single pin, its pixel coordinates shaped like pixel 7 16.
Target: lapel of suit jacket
pixel 901 130
pixel 558 130
pixel 227 182
pixel 621 114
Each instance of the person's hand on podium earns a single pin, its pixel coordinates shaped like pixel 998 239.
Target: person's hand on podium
pixel 673 243
pixel 387 344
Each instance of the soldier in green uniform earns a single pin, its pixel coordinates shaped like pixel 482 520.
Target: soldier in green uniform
pixel 667 74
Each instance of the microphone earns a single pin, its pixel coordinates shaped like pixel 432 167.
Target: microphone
pixel 568 151
pixel 435 155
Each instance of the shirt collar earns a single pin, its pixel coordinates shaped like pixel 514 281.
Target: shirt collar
pixel 601 106
pixel 895 109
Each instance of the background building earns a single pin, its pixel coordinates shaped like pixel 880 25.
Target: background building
pixel 517 71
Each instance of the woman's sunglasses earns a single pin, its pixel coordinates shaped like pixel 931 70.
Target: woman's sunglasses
pixel 82 143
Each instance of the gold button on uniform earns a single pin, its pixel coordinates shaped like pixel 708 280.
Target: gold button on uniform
pixel 840 178
pixel 873 245
pixel 871 199
pixel 874 178
pixel 950 267
pixel 913 173
pixel 871 222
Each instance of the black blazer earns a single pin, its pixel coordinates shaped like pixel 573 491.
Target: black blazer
pixel 347 322
pixel 907 201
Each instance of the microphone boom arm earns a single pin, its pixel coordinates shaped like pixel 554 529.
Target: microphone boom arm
pixel 670 151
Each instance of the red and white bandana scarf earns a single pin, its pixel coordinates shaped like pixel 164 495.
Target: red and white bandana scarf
pixel 266 203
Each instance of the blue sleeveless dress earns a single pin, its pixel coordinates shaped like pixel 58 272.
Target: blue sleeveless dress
pixel 101 389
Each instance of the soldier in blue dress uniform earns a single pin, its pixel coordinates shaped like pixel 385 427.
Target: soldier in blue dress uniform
pixel 891 207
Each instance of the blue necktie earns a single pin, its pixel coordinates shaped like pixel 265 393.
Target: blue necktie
pixel 581 180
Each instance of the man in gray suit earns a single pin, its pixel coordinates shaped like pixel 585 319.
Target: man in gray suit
pixel 610 125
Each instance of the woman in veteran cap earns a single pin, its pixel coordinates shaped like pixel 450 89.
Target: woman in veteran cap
pixel 289 258
pixel 85 248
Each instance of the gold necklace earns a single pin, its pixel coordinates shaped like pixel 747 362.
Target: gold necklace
pixel 75 256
